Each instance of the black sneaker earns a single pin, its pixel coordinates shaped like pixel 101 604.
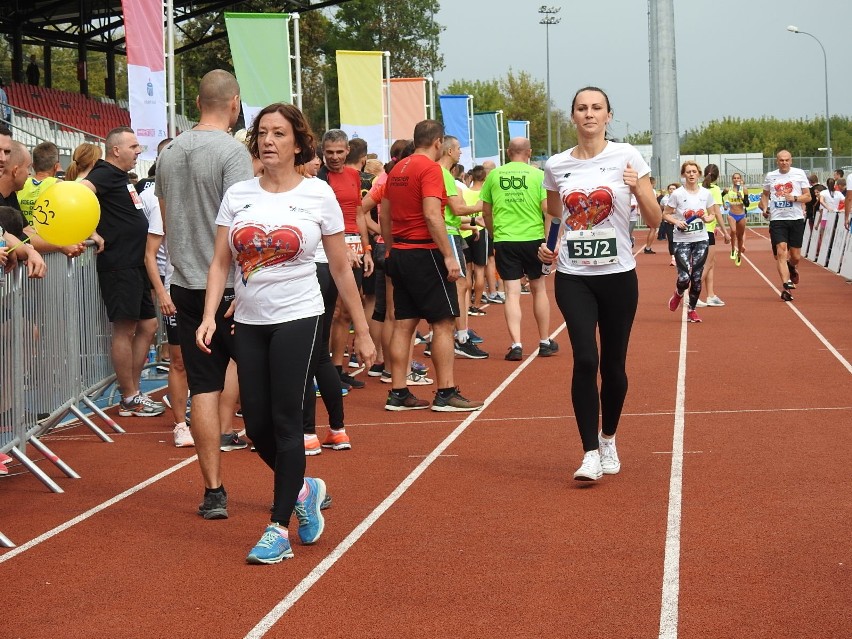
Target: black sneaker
pixel 515 354
pixel 649 251
pixel 214 506
pixel 475 311
pixel 231 441
pixel 546 350
pixel 427 350
pixel 376 370
pixel 470 350
pixel 454 403
pixel 794 273
pixel 346 378
pixel 409 402
pixel 786 297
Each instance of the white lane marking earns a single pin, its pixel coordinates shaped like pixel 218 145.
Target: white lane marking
pixel 671 561
pixel 94 511
pixel 843 361
pixel 274 615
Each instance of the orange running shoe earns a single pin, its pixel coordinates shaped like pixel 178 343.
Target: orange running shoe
pixel 337 440
pixel 312 445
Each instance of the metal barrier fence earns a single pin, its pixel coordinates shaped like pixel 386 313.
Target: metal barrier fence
pixel 54 358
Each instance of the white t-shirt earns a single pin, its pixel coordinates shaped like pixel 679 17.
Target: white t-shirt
pixel 831 202
pixel 596 194
pixel 273 239
pixel 634 209
pixel 793 182
pixel 690 207
pixel 151 207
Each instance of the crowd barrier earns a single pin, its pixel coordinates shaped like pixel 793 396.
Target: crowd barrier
pixel 829 245
pixel 54 358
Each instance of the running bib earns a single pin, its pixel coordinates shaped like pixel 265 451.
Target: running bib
pixel 354 242
pixel 694 226
pixel 591 247
pixel 781 204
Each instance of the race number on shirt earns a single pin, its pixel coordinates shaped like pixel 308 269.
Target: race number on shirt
pixel 354 243
pixel 591 247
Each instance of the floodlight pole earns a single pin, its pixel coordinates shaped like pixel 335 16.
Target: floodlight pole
pixel 549 17
pixel 829 154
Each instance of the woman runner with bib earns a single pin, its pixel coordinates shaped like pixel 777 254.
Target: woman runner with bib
pixel 589 188
pixel 689 208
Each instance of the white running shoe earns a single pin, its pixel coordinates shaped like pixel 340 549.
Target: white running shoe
pixel 183 436
pixel 715 301
pixel 700 304
pixel 416 379
pixel 590 469
pixel 609 456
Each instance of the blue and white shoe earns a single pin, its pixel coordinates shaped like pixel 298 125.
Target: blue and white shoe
pixel 308 512
pixel 476 339
pixel 272 548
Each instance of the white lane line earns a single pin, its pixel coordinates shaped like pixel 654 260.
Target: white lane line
pixel 843 361
pixel 94 511
pixel 671 562
pixel 274 615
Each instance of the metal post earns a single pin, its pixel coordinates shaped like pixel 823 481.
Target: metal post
pixel 828 151
pixel 298 55
pixel 431 106
pixel 387 137
pixel 549 18
pixel 170 71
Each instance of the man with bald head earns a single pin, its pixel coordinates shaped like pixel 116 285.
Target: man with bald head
pixel 489 166
pixel 193 173
pixel 785 192
pixel 514 203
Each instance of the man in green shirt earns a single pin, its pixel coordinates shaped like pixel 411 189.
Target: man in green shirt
pixel 45 166
pixel 514 201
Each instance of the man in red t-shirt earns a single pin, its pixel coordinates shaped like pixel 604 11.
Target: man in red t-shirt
pixel 346 184
pixel 423 268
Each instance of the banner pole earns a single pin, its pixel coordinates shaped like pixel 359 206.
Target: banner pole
pixel 298 52
pixel 388 107
pixel 170 56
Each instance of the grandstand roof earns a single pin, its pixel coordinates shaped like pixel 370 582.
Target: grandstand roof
pixel 98 23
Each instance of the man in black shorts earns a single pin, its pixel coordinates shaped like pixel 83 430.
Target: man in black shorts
pixel 514 202
pixel 123 280
pixel 785 192
pixel 423 269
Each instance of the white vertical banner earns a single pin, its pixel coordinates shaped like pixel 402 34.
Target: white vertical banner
pixel 146 72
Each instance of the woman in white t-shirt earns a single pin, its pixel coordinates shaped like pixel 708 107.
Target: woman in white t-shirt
pixel 271 226
pixel 589 187
pixel 689 209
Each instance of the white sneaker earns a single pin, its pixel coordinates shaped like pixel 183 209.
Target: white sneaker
pixel 590 469
pixel 714 301
pixel 609 456
pixel 416 379
pixel 700 304
pixel 183 437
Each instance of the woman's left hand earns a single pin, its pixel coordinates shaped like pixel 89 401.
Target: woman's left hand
pixel 630 176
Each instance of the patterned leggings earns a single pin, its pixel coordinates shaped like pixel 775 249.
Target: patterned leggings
pixel 690 258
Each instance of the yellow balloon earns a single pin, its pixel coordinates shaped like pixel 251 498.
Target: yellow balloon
pixel 66 213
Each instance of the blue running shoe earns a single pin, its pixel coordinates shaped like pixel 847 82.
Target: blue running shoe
pixel 473 337
pixel 272 548
pixel 311 521
pixel 417 367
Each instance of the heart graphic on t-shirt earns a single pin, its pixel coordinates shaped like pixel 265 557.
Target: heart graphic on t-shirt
pixel 691 215
pixel 783 189
pixel 587 208
pixel 259 248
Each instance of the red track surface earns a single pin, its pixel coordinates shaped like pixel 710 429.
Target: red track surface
pixel 493 538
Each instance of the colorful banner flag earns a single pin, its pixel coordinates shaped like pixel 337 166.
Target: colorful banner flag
pixel 457 113
pixel 260 49
pixel 519 129
pixel 359 83
pixel 146 72
pixel 408 106
pixel 486 135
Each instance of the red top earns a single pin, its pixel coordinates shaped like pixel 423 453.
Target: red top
pixel 409 182
pixel 347 190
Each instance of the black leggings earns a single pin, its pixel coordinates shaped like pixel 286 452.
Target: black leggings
pixel 276 366
pixel 690 258
pixel 606 303
pixel 328 379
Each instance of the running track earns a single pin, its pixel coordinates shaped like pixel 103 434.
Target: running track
pixel 731 517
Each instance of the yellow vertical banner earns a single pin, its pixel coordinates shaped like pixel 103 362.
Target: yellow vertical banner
pixel 359 83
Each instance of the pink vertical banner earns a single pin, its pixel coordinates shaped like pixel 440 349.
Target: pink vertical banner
pixel 146 72
pixel 408 106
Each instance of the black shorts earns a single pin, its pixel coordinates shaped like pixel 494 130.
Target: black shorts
pixel 516 259
pixel 711 238
pixel 380 285
pixel 789 232
pixel 482 248
pixel 420 286
pixel 127 294
pixel 205 373
pixel 457 244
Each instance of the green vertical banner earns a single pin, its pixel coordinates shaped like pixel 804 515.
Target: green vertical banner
pixel 485 132
pixel 260 49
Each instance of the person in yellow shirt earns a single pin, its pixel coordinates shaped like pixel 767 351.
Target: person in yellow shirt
pixel 45 166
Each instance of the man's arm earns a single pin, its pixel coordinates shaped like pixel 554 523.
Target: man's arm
pixel 385 223
pixel 434 216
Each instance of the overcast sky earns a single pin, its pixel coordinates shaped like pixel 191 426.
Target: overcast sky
pixel 722 69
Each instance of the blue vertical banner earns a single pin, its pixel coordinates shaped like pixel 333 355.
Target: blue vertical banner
pixel 457 112
pixel 519 129
pixel 487 137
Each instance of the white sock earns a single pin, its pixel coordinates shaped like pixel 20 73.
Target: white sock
pixel 516 345
pixel 462 336
pixel 310 436
pixel 544 342
pixel 303 494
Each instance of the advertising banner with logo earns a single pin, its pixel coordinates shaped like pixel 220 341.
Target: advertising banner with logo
pixel 260 48
pixel 486 133
pixel 146 72
pixel 408 106
pixel 359 83
pixel 457 111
